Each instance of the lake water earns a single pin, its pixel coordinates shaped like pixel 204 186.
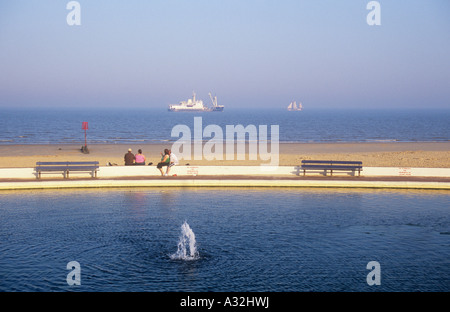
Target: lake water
pixel 246 239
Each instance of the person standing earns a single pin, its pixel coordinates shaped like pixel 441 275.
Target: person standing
pixel 129 158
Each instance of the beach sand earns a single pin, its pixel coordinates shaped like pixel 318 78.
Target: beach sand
pixel 392 154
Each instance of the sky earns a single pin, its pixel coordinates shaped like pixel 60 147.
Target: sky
pixel 250 53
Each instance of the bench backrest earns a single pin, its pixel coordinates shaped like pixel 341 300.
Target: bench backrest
pixel 58 163
pixel 331 162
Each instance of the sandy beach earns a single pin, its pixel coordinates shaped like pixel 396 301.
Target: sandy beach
pixel 393 154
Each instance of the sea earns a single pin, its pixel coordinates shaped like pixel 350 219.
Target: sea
pixel 214 240
pixel 115 126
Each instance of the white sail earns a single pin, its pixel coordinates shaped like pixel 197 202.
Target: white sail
pixel 294 107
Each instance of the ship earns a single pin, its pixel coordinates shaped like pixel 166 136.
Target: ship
pixel 195 105
pixel 294 107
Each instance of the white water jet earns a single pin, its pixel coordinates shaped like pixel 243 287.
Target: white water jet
pixel 187 248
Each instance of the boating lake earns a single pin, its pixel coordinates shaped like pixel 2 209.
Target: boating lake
pixel 246 240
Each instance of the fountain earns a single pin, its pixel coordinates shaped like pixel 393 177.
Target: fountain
pixel 187 248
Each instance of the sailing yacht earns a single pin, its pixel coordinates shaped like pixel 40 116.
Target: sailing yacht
pixel 293 106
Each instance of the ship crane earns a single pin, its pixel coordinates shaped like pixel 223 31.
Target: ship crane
pixel 216 107
pixel 214 101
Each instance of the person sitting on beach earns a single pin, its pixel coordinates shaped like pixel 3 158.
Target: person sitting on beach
pixel 165 161
pixel 140 158
pixel 173 161
pixel 129 158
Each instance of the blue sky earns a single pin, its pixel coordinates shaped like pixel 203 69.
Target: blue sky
pixel 247 52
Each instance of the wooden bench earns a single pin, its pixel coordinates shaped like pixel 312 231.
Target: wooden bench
pixel 67 166
pixel 331 165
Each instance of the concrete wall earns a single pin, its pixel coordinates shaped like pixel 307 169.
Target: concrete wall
pixel 142 171
pixel 406 172
pixel 321 183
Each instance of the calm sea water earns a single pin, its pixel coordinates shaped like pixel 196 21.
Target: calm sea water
pixel 56 126
pixel 254 239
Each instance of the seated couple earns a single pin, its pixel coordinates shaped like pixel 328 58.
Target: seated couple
pixel 131 159
pixel 168 159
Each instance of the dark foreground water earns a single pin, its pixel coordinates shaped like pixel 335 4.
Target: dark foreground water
pixel 255 239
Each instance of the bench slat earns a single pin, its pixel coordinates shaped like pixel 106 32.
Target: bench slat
pixel 70 168
pixel 331 167
pixel 51 163
pixel 81 168
pixel 331 162
pixel 52 168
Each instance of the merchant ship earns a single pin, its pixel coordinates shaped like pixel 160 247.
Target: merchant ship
pixel 195 105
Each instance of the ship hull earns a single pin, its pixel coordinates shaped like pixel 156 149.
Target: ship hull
pixel 195 109
pixel 187 110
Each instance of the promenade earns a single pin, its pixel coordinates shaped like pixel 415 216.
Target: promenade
pixel 228 176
